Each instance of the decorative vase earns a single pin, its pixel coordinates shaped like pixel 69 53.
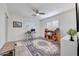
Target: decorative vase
pixel 71 38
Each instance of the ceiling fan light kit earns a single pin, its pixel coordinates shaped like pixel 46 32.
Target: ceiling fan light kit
pixel 37 12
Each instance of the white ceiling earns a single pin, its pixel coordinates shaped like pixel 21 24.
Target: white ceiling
pixel 25 9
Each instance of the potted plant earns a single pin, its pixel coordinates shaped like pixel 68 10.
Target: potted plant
pixel 72 32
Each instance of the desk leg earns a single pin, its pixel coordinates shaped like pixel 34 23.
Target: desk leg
pixel 14 52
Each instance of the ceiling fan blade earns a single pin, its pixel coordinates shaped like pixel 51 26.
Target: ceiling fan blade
pixel 34 15
pixel 42 13
pixel 35 10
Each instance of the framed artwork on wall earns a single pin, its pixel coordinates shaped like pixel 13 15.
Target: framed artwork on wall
pixel 17 24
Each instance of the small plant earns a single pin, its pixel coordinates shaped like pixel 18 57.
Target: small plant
pixel 72 32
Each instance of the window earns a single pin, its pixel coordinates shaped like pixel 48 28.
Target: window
pixel 30 25
pixel 52 25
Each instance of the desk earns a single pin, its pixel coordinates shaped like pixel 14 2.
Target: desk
pixel 68 48
pixel 9 46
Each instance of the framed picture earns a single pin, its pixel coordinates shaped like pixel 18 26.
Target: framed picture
pixel 17 24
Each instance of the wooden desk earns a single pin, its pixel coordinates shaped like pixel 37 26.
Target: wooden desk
pixel 9 46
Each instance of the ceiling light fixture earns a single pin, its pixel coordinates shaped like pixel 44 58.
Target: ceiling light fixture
pixel 37 14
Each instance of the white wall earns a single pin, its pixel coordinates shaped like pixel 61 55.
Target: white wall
pixel 68 48
pixel 67 21
pixel 15 34
pixel 2 25
pixel 35 24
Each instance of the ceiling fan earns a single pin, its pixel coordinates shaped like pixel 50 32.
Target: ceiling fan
pixel 37 12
